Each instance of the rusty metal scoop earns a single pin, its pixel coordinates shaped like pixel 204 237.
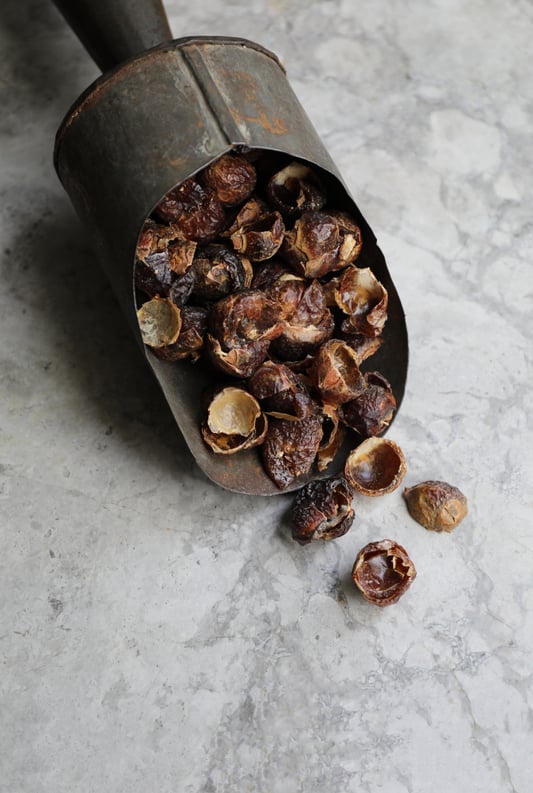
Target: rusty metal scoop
pixel 163 110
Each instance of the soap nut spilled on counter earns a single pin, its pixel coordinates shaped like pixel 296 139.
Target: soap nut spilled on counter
pixel 322 510
pixel 383 572
pixel 436 505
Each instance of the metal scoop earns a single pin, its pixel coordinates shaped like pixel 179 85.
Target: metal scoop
pixel 163 110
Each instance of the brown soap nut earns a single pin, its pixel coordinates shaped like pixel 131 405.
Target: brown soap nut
pixel 364 301
pixel 371 412
pixel 243 317
pixel 162 255
pixel 195 209
pixel 351 239
pixel 363 346
pixel 336 374
pixel 311 246
pixel 190 341
pixel 234 422
pixel 290 448
pixel 333 435
pixel 181 287
pixel 375 467
pixel 436 505
pixel 153 275
pixel 267 272
pixel 305 320
pixel 251 211
pixel 219 271
pixel 260 238
pixel 281 392
pixel 232 178
pixel 322 510
pixel 156 237
pixel 241 361
pixel 295 190
pixel 383 572
pixel 321 242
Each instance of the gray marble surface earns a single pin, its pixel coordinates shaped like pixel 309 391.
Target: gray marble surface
pixel 160 634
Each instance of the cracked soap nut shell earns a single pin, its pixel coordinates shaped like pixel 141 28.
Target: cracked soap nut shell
pixel 196 210
pixel 234 421
pixel 159 322
pixel 218 272
pixel 364 301
pixel 281 392
pixel 322 510
pixel 295 190
pixel 375 467
pixel 436 505
pixel 336 374
pixel 261 238
pixel 383 572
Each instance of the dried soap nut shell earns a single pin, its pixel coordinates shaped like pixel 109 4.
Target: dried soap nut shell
pixel 243 317
pixel 322 510
pixel 260 239
pixel 234 421
pixel 282 393
pixel 375 467
pixel 336 373
pixel 239 361
pixel 159 322
pixel 295 190
pixel 190 341
pixel 436 505
pixel 351 238
pixel 333 434
pixel 195 209
pixel 290 448
pixel 371 412
pixel 363 299
pixel 383 572
pixel 247 215
pixel 232 178
pixel 312 245
pixel 218 271
pixel 162 254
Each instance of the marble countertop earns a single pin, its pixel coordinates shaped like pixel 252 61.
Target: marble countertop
pixel 160 634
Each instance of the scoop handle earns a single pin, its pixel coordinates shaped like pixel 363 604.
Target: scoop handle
pixel 114 30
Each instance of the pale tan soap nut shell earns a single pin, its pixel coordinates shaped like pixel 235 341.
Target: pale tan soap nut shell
pixel 375 467
pixel 363 299
pixel 333 436
pixel 159 322
pixel 351 238
pixel 436 505
pixel 234 421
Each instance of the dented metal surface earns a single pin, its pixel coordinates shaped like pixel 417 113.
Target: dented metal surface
pixel 148 125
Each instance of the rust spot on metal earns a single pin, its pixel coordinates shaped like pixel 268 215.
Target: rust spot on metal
pixel 275 125
pixel 247 85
